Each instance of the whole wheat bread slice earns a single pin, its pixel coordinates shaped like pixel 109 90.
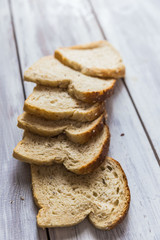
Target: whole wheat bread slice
pixel 77 158
pixel 65 199
pixel 49 71
pixel 56 104
pixel 99 59
pixel 77 132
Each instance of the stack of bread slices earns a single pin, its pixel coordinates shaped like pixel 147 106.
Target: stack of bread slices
pixel 66 138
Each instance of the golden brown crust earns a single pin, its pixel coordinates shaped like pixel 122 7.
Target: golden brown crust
pixel 119 72
pixel 128 197
pixel 90 167
pixel 65 61
pixel 109 73
pixel 95 96
pixel 92 132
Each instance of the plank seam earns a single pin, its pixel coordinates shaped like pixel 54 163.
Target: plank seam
pixel 48 235
pixel 97 20
pixel 128 92
pixel 143 125
pixel 20 68
pixel 16 46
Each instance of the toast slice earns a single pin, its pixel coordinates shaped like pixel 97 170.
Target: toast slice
pixel 65 199
pixel 56 104
pixel 77 158
pixel 49 71
pixel 98 59
pixel 77 132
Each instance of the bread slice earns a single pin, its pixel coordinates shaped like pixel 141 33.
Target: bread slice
pixel 98 59
pixel 77 132
pixel 56 104
pixel 49 71
pixel 77 158
pixel 65 199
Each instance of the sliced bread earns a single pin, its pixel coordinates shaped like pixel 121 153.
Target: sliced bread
pixel 98 59
pixel 77 132
pixel 77 158
pixel 56 104
pixel 49 71
pixel 65 199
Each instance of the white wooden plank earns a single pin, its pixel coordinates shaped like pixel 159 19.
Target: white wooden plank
pixel 17 210
pixel 67 23
pixel 134 28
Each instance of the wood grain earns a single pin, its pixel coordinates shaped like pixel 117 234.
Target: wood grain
pixel 66 23
pixel 133 27
pixel 17 210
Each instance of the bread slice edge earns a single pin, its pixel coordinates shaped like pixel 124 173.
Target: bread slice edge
pixel 94 72
pixel 83 169
pixel 78 137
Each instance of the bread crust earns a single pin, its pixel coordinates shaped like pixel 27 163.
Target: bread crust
pixel 128 197
pixel 95 96
pixel 90 167
pixel 118 72
pixel 90 133
pixel 116 221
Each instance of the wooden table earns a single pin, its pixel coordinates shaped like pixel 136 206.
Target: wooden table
pixel 31 29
